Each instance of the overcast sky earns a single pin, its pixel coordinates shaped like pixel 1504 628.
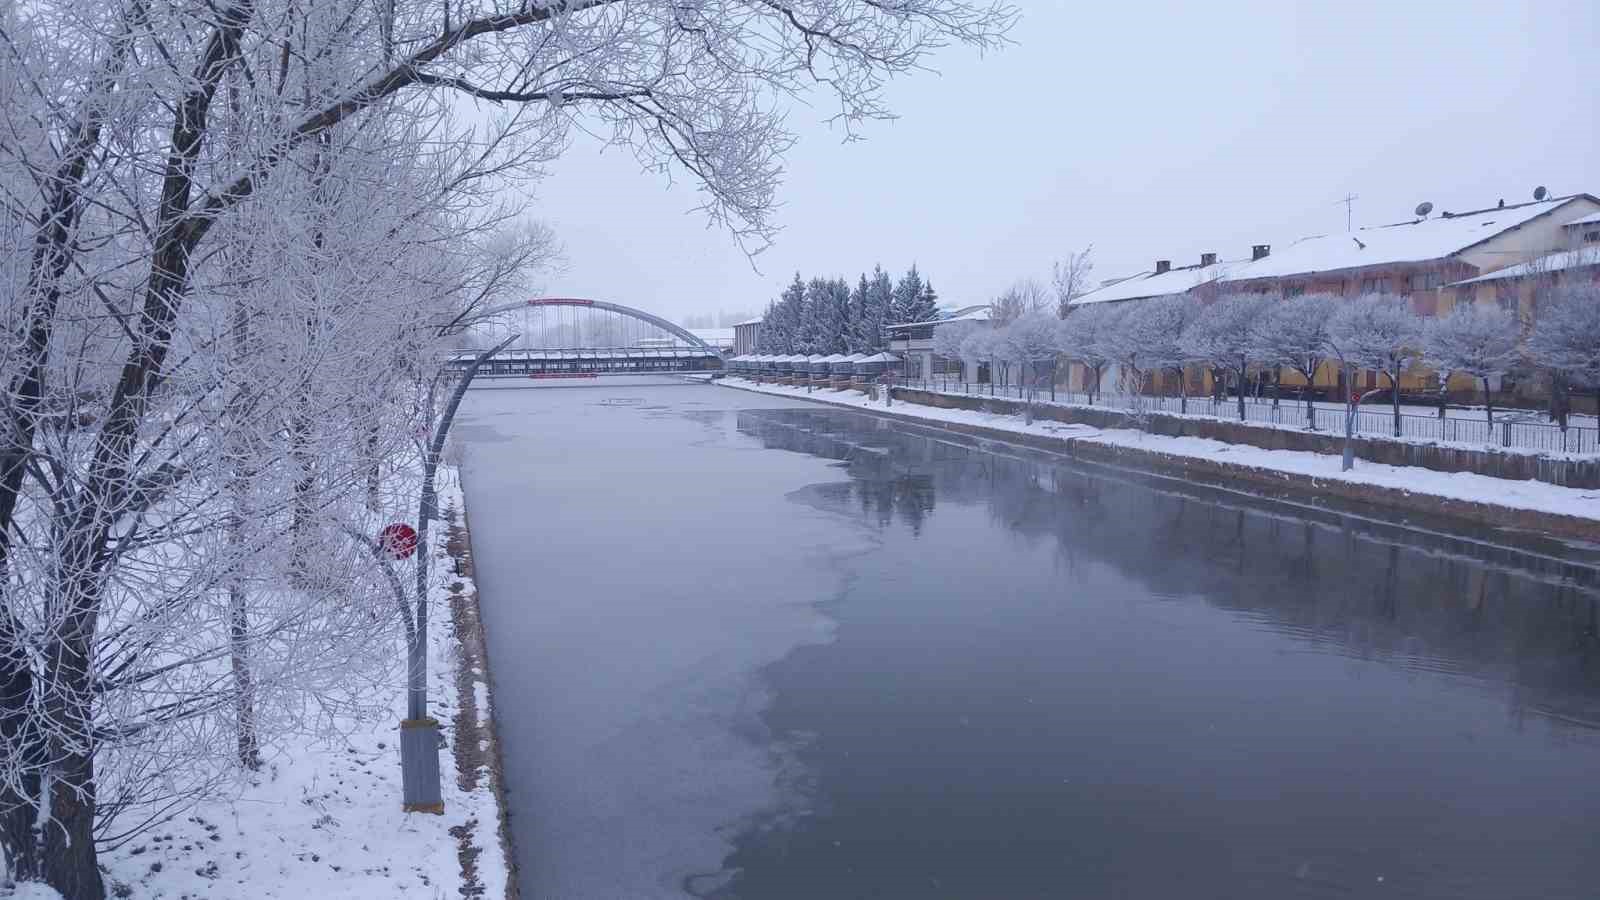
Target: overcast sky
pixel 1150 130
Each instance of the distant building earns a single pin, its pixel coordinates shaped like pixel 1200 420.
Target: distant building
pixel 913 343
pixel 1416 257
pixel 1427 259
pixel 722 339
pixel 746 335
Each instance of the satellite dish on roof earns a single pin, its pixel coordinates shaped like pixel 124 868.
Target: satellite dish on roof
pixel 1424 208
pixel 1539 193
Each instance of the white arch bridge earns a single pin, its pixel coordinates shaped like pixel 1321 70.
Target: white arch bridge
pixel 570 337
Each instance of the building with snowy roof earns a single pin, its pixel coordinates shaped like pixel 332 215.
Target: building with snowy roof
pixel 1416 257
pixel 746 335
pixel 913 342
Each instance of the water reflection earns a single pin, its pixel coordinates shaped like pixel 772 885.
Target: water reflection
pixel 1010 589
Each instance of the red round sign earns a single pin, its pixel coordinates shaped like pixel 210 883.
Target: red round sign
pixel 398 541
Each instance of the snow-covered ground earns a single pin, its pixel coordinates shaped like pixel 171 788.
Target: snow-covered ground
pixel 1530 495
pixel 324 821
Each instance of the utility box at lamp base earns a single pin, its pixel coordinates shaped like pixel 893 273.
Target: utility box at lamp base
pixel 419 766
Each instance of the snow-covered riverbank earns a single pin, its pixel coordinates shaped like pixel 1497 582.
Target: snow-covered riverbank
pixel 324 821
pixel 1532 496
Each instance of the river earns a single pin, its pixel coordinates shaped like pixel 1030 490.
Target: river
pixel 749 647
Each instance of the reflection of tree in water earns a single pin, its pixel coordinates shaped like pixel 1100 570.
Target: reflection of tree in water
pixel 884 487
pixel 1360 586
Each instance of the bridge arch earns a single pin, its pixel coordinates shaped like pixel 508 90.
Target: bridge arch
pixel 605 306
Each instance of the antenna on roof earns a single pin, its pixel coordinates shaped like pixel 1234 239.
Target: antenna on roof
pixel 1349 201
pixel 1424 208
pixel 1539 193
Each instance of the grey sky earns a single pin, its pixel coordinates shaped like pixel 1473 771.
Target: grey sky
pixel 1150 130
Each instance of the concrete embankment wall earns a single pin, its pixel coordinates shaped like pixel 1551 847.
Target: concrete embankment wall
pixel 1578 473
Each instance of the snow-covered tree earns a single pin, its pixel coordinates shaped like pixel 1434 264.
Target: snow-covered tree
pixel 174 170
pixel 1085 338
pixel 1031 342
pixel 1071 278
pixel 835 317
pixel 877 312
pixel 1377 332
pixel 1293 334
pixel 1148 338
pixel 908 300
pixel 1565 340
pixel 949 339
pixel 782 328
pixel 981 345
pixel 1477 340
pixel 1023 297
pixel 928 302
pixel 1219 337
pixel 855 337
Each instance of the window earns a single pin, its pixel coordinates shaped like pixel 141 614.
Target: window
pixel 1293 290
pixel 1376 285
pixel 1423 281
pixel 1505 295
pixel 1591 237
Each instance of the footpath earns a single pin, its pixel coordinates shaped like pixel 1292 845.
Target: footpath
pixel 1479 499
pixel 324 821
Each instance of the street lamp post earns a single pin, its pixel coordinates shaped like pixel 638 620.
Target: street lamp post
pixel 419 733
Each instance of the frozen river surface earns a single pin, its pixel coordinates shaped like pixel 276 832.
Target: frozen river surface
pixel 746 647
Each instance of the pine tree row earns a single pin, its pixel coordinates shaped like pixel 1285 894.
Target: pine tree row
pixel 824 315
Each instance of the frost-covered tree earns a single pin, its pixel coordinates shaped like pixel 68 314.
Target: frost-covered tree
pixel 1032 342
pixel 1071 278
pixel 1565 340
pixel 1148 338
pixel 1219 336
pixel 1378 332
pixel 1476 340
pixel 1293 334
pixel 1025 296
pixel 981 345
pixel 949 339
pixel 170 165
pixel 1085 337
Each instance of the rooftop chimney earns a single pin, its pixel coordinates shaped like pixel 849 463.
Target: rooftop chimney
pixel 1260 251
pixel 1208 259
pixel 1502 203
pixel 1163 266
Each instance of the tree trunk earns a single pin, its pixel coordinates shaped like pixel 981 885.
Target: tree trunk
pixel 1240 384
pixel 69 861
pixel 1394 384
pixel 1488 401
pixel 1349 456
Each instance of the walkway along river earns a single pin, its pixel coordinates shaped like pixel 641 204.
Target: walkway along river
pixel 746 647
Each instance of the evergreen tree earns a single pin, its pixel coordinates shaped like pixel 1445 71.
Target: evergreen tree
pixel 926 308
pixel 879 303
pixel 907 298
pixel 813 335
pixel 767 334
pixel 856 339
pixel 835 318
pixel 787 318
